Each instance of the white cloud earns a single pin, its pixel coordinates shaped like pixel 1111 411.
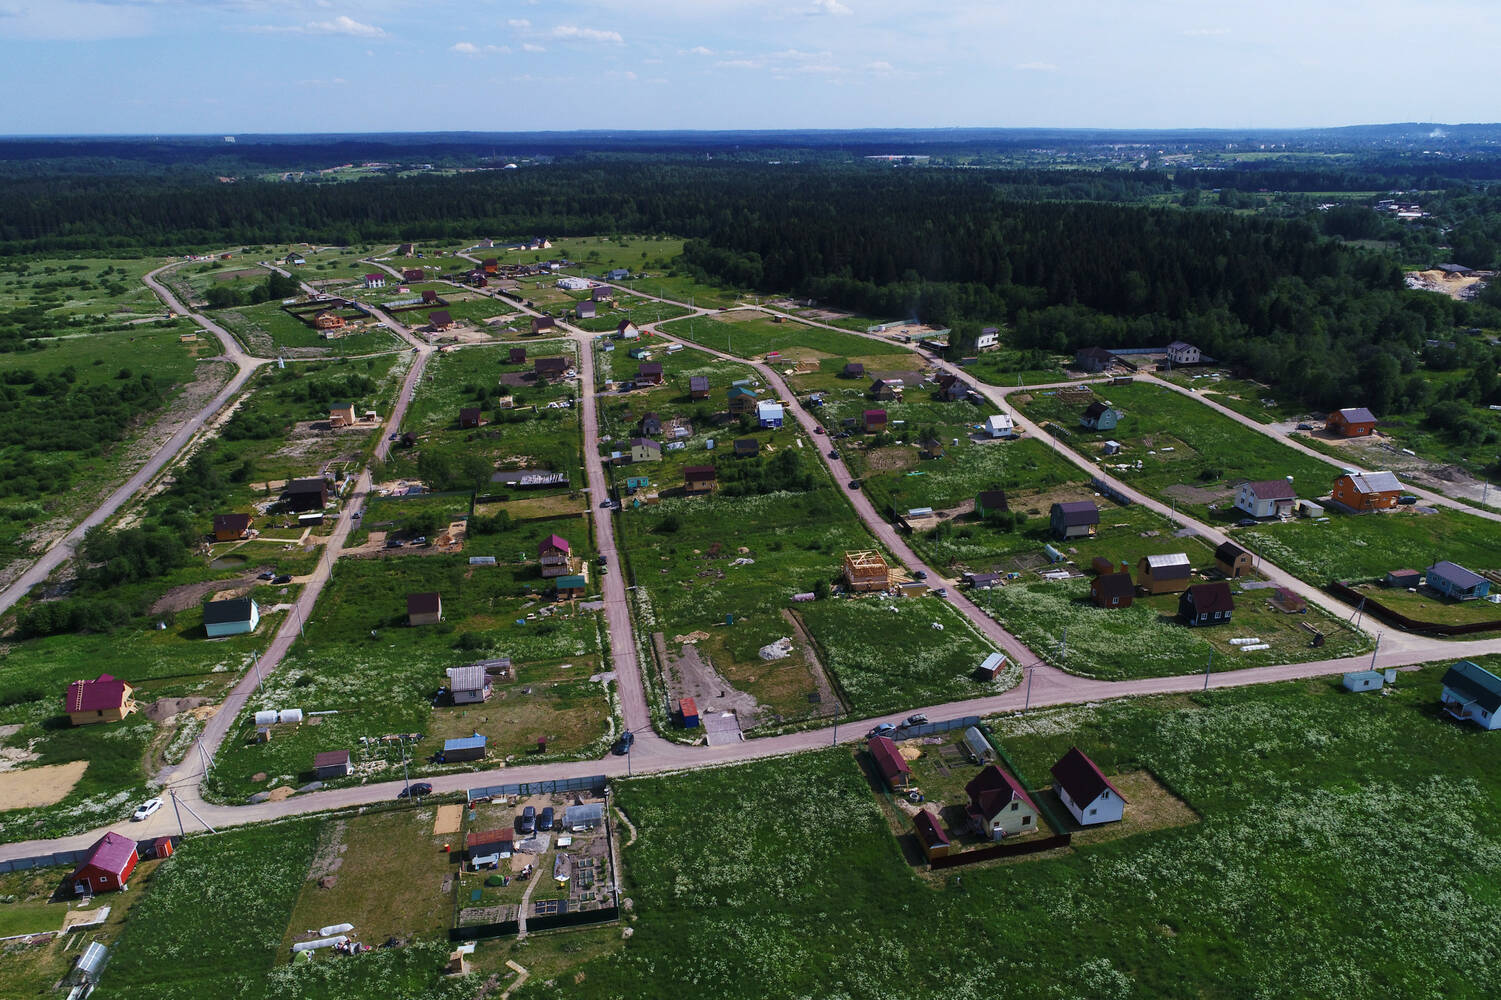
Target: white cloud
pixel 531 47
pixel 1206 32
pixel 697 50
pixel 738 64
pixel 1037 67
pixel 829 7
pixel 799 54
pixel 470 49
pixel 879 66
pixel 519 23
pixel 341 25
pixel 573 32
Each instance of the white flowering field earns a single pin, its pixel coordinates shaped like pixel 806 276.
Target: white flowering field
pixel 1364 547
pixel 1348 849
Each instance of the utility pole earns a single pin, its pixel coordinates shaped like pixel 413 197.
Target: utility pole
pixel 1207 667
pixel 1374 651
pixel 255 661
pixel 202 756
pixel 178 812
pixel 1030 670
pixel 836 725
pixel 405 777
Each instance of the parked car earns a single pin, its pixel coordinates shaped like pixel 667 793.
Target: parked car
pixel 854 484
pixel 527 821
pixel 268 575
pixel 356 515
pixel 1407 499
pixel 940 591
pixel 917 719
pixel 420 540
pixel 284 578
pixel 623 745
pixel 817 429
pixel 416 790
pixel 544 821
pixel 146 809
pixel 884 729
pixel 834 455
pixel 919 575
pixel 1246 522
pixel 393 543
pixel 1305 427
pixel 603 559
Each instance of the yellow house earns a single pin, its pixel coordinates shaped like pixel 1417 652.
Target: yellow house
pixel 104 699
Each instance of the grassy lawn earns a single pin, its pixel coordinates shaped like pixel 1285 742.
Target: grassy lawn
pixel 269 329
pixel 1148 640
pixel 1241 395
pixel 1426 606
pixel 886 655
pixel 1207 452
pixel 749 334
pixel 1004 366
pixel 683 289
pixel 70 288
pixel 1295 821
pixel 1367 546
pixel 378 676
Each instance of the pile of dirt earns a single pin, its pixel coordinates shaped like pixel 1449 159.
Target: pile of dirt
pixel 190 595
pixel 909 752
pixel 279 793
pixel 164 708
pixel 690 638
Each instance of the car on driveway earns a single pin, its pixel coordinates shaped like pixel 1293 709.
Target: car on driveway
pixel 416 790
pixel 527 821
pixel 919 575
pixel 145 809
pixel 268 575
pixel 884 729
pixel 284 578
pixel 544 821
pixel 917 719
pixel 1407 499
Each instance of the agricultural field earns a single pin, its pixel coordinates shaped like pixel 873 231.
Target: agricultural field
pixel 378 676
pixel 268 329
pixel 1200 908
pixel 1367 546
pixel 595 255
pixel 1188 453
pixel 1057 620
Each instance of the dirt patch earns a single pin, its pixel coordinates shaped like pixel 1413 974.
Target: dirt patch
pixel 449 820
pixel 1453 285
pixel 692 675
pixel 165 708
pixel 278 794
pixel 190 595
pixel 40 786
pixel 897 459
pixel 1039 504
pixel 826 696
pixel 1198 494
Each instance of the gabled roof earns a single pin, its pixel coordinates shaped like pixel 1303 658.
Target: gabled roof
pixel 929 831
pixel 999 420
pixel 440 317
pixel 1376 482
pixel 1357 415
pixel 854 368
pixel 1474 683
pixel 336 407
pixel 698 383
pixel 874 415
pixel 646 443
pixel 469 412
pixel 101 693
pixel 470 678
pixel 1078 512
pixel 740 390
pixel 1113 585
pixel 992 500
pixel 747 446
pixel 550 364
pixel 1096 410
pixel 700 472
pixel 1095 352
pixel 110 853
pixel 1272 489
pixel 1454 573
pixel 424 604
pixel 1228 552
pixel 485 838
pixel 1168 560
pixel 993 789
pixel 1178 345
pixel 231 522
pixel 887 757
pixel 227 611
pixel 569 583
pixel 1079 776
pixel 1211 597
pixel 556 542
pixel 649 368
pixel 298 486
pixel 475 742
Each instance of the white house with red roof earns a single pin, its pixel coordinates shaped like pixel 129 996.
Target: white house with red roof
pixel 1087 793
pixel 998 804
pixel 375 281
pixel 107 865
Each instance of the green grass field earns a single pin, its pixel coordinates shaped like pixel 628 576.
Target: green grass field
pixel 750 334
pixel 268 329
pixel 1363 547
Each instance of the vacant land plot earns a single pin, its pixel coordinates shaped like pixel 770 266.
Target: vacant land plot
pixel 1367 546
pixel 1253 399
pixel 1197 908
pixel 268 329
pixel 72 288
pixel 750 334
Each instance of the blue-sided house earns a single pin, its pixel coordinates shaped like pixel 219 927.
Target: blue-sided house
pixel 1453 580
pixel 1472 693
pixel 234 616
pixel 463 748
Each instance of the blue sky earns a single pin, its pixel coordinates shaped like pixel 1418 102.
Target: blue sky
pixel 221 66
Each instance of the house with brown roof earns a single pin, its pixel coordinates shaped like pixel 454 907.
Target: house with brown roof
pixel 1232 560
pixel 991 502
pixel 601 293
pixel 889 762
pixel 1093 359
pixel 698 387
pixel 517 356
pixel 853 369
pixel 747 448
pixel 865 570
pixel 413 274
pixel 626 330
pixel 541 324
pixel 586 309
pixel 424 609
pixel 331 764
pixel 103 699
pixel 470 416
pixel 1266 498
pixel 1112 590
pixel 649 372
pixel 886 388
pixel 229 527
pixel 375 281
pixel 1362 492
pixel 306 494
pixel 1352 421
pixel 341 415
pixel 998 805
pixel 874 421
pixel 645 450
pixel 952 388
pixel 429 297
pixel 547 369
pixel 1207 604
pixel 440 320
pixel 490 265
pixel 1164 573
pixel 1085 791
pixel 700 479
pixel 930 835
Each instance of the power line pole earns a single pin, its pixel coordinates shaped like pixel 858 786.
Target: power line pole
pixel 1207 667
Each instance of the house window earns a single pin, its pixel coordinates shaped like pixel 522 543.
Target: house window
pixel 100 713
pixel 1115 600
pixel 1105 794
pixel 1014 806
pixel 1093 811
pixel 1026 821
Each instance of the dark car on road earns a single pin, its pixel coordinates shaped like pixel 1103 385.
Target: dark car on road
pixel 416 790
pixel 919 575
pixel 527 821
pixel 1246 522
pixel 623 745
pixel 284 578
pixel 834 455
pixel 854 484
pixel 916 719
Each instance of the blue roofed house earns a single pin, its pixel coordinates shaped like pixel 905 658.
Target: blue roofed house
pixel 769 413
pixel 463 748
pixel 1453 580
pixel 234 616
pixel 1472 694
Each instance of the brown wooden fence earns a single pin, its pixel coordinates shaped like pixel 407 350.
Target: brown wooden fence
pixel 1347 593
pixel 1003 850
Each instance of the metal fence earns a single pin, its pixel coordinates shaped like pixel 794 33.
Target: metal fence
pixel 930 728
pixel 1106 489
pixel 594 783
pixel 43 861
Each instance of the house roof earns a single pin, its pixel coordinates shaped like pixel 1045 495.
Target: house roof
pixel 103 692
pixel 440 317
pixel 887 757
pixel 475 742
pixel 550 364
pixel 700 472
pixel 769 406
pixel 1079 776
pixel 584 812
pixel 993 789
pixel 992 499
pixel 1077 512
pixel 854 368
pixel 232 609
pixel 1272 489
pixel 1096 410
pixel 1095 352
pixel 1376 482
pixel 336 407
pixel 688 707
pixel 111 852
pixel 1454 573
pixel 1474 683
pixel 424 604
pixel 1357 415
pixel 1404 574
pixel 647 443
pixel 928 830
pixel 1228 552
pixel 740 390
pixel 555 542
pixel 999 420
pixel 1113 585
pixel 649 368
pixel 231 522
pixel 569 583
pixel 875 415
pixel 1168 561
pixel 469 412
pixel 485 838
pixel 470 678
pixel 1211 597
pixel 747 446
pixel 298 486
pixel 373 277
pixel 698 383
pixel 1178 345
pixel 543 322
pixel 331 758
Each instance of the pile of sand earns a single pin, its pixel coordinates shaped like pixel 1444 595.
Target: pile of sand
pixel 40 786
pixel 909 752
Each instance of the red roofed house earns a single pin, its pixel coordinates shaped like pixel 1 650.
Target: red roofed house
pixel 688 712
pixel 429 296
pixel 892 765
pixel 229 527
pixel 930 835
pixel 424 609
pixel 1086 792
pixel 375 281
pixel 1353 421
pixel 998 804
pixel 104 699
pixel 554 552
pixel 109 863
pixel 413 274
pixel 875 421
